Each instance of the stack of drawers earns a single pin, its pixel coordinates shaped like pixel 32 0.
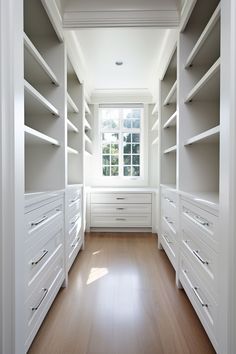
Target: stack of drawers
pixel 121 210
pixel 169 224
pixel 198 262
pixel 75 235
pixel 44 256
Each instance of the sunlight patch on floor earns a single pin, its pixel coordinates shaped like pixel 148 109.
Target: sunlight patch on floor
pixel 95 274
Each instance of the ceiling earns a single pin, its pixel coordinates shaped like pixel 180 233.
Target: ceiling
pixel 138 49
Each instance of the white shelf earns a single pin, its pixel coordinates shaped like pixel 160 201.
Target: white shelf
pixel 205 34
pixel 171 97
pixel 33 136
pixel 39 59
pixel 71 104
pixel 72 151
pixel 87 139
pixel 155 142
pixel 155 125
pixel 171 149
pixel 71 127
pixel 88 153
pixel 205 80
pixel 171 122
pixel 86 124
pixel 87 110
pixel 209 136
pixel 36 101
pixel 210 199
pixel 155 109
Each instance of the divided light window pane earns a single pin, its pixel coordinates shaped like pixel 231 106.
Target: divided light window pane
pixel 121 141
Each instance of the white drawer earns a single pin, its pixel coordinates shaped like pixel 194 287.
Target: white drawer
pixel 106 209
pixel 39 254
pixel 74 209
pixel 203 258
pixel 169 195
pixel 202 301
pixel 202 223
pixel 171 222
pixel 168 242
pixel 121 221
pixel 40 218
pixel 73 194
pixel 37 305
pixel 121 198
pixel 75 229
pixel 74 247
pixel 169 209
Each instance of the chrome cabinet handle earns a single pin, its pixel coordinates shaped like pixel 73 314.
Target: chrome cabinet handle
pixel 120 198
pixel 168 220
pixel 196 254
pixel 45 291
pixel 35 262
pixel 36 223
pixel 120 219
pixel 76 243
pixel 120 208
pixel 73 200
pixel 197 218
pixel 167 240
pixel 195 290
pixel 169 200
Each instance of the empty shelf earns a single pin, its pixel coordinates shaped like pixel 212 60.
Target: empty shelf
pixel 72 151
pixel 71 104
pixel 206 80
pixel 155 125
pixel 155 109
pixel 86 124
pixel 155 141
pixel 209 136
pixel 171 122
pixel 87 110
pixel 33 136
pixel 71 127
pixel 32 50
pixel 36 101
pixel 171 97
pixel 205 34
pixel 171 149
pixel 87 139
pixel 88 153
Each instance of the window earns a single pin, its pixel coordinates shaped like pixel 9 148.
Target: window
pixel 121 141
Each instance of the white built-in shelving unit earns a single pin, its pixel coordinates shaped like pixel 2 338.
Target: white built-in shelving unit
pixel 88 128
pixel 168 124
pixel 44 88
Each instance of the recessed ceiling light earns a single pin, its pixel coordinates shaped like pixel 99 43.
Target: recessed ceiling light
pixel 119 63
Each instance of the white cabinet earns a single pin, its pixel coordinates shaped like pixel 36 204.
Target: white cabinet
pixel 74 222
pixel 44 257
pixel 121 208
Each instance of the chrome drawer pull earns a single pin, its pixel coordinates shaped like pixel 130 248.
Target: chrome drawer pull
pixel 196 253
pixel 76 243
pixel 169 200
pixel 120 219
pixel 120 208
pixel 44 252
pixel 74 200
pixel 119 198
pixel 197 218
pixel 199 297
pixel 167 240
pixel 36 223
pixel 168 220
pixel 40 302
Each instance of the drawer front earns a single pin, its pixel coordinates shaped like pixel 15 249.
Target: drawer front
pixel 40 218
pixel 168 242
pixel 112 209
pixel 169 209
pixel 121 198
pixel 74 209
pixel 39 254
pixel 203 258
pixel 75 229
pixel 75 243
pixel 121 221
pixel 202 301
pixel 170 221
pixel 41 298
pixel 169 196
pixel 203 223
pixel 73 194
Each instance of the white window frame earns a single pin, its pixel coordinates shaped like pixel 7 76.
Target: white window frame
pixel 121 130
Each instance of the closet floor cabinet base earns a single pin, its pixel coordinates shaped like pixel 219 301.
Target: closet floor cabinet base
pixel 44 257
pixel 121 208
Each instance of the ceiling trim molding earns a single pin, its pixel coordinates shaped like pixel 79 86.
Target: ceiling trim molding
pixel 124 18
pixel 121 96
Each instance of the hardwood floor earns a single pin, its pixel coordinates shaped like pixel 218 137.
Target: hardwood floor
pixel 121 299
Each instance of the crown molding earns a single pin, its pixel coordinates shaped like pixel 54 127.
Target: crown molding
pixel 121 96
pixel 121 18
